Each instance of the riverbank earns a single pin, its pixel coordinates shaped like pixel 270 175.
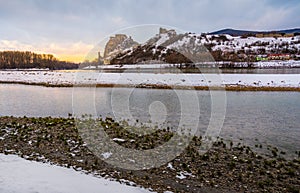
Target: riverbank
pixel 226 167
pixel 230 82
pixel 157 86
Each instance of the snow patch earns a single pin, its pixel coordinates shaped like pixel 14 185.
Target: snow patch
pixel 183 174
pixel 170 166
pixel 106 155
pixel 20 175
pixel 119 139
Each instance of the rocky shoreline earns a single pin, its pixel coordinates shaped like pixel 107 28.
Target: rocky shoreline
pixel 226 167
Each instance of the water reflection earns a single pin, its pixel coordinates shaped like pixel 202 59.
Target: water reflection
pixel 256 117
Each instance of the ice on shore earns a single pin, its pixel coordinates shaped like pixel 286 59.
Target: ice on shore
pixel 18 175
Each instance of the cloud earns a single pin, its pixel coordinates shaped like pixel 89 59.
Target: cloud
pixel 14 45
pixel 64 24
pixel 70 51
pixel 273 18
pixel 78 19
pixel 119 21
pixel 67 51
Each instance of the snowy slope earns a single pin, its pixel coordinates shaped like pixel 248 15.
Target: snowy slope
pixel 254 43
pixel 22 176
pixel 238 43
pixel 193 45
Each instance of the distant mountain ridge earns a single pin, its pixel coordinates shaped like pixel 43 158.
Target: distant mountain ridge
pixel 234 32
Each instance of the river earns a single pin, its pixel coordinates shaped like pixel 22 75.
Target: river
pixel 268 118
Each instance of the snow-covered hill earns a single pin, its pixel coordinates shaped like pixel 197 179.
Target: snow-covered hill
pixel 167 46
pixel 270 44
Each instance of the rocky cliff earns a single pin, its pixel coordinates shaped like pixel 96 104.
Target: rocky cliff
pixel 118 44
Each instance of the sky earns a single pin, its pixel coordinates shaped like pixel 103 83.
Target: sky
pixel 69 29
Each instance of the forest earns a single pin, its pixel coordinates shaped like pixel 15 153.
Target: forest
pixel 26 60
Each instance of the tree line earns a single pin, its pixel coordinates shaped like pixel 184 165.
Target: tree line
pixel 25 60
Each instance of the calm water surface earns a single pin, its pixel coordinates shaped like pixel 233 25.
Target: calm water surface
pixel 255 117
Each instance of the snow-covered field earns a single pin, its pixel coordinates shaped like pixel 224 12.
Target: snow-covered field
pixel 276 64
pixel 18 175
pixel 93 77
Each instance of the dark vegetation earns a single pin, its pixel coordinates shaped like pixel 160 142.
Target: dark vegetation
pixel 26 60
pixel 234 32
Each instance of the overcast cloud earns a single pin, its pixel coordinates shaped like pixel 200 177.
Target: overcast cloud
pixel 63 24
